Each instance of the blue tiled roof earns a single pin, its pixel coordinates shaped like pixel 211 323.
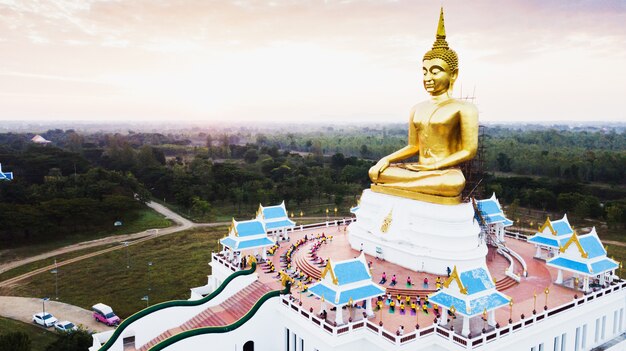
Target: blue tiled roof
pixel 561 227
pixel 354 209
pixel 494 219
pixel 6 175
pixel 250 228
pixel 357 294
pixel 321 290
pixel 488 207
pixel 274 212
pixel 476 280
pixel 569 264
pixel 592 246
pixel 478 305
pixel 536 239
pixel 603 266
pixel 279 224
pixel 350 272
pixel 230 242
pixel 361 293
pixel 507 222
pixel 246 244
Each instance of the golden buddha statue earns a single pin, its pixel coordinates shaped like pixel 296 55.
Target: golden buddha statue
pixel 443 132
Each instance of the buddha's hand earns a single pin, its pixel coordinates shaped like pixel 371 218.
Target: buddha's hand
pixel 378 168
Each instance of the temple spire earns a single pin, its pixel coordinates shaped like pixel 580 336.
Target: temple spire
pixel 441 29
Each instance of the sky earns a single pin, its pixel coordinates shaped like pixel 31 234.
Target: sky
pixel 306 61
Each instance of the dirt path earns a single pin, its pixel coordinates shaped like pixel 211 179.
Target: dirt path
pixel 181 224
pixel 23 308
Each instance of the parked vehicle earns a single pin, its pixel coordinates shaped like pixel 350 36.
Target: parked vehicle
pixel 104 314
pixel 44 319
pixel 65 326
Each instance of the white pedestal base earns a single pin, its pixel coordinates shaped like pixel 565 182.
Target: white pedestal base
pixel 421 236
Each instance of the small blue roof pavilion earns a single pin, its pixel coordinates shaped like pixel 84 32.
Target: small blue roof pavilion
pixel 583 256
pixel 5 175
pixel 347 281
pixel 247 235
pixel 552 235
pixel 275 217
pixel 470 292
pixel 491 211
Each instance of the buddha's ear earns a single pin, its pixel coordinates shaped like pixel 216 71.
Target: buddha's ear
pixel 454 74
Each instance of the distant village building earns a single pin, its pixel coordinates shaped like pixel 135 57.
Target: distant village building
pixel 38 139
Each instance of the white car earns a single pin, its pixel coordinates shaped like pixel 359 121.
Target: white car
pixel 65 326
pixel 45 320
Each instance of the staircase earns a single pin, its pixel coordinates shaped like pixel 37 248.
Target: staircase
pixel 229 311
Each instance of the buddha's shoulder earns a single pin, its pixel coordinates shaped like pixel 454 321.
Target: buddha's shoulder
pixel 465 106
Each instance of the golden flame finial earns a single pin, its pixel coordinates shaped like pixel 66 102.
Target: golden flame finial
pixel 441 28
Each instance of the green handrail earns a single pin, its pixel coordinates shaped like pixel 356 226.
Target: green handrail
pixel 222 329
pixel 174 303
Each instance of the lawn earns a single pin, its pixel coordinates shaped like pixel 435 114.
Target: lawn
pixel 179 262
pixel 147 219
pixel 48 261
pixel 39 337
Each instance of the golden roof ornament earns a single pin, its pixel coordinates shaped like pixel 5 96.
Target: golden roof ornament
pixel 386 222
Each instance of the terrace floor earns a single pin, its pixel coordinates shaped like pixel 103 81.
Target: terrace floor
pixel 539 277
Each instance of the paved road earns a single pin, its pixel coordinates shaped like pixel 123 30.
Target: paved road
pixel 23 308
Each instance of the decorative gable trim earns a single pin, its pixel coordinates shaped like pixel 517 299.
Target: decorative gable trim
pixel 574 239
pixel 329 269
pixel 454 276
pixel 548 224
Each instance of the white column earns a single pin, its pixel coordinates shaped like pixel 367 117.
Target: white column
pixel 538 252
pixel 322 306
pixel 586 284
pixel 443 320
pixel 368 308
pixel 466 326
pixel 559 277
pixel 264 253
pixel 339 315
pixel 602 279
pixel 491 318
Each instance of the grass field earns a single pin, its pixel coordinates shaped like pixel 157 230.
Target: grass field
pixel 39 337
pixel 42 263
pixel 147 219
pixel 179 262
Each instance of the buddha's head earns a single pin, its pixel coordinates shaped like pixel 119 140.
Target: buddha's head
pixel 440 64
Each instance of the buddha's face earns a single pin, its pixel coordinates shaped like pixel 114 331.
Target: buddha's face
pixel 437 76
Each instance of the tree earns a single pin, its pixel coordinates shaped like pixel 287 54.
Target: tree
pixel 504 162
pixel 79 340
pixel 251 156
pixel 15 341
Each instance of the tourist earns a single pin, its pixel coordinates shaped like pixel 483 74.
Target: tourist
pixel 401 330
pixel 383 279
pixel 393 280
pixel 408 282
pixel 392 306
pixel 448 270
pixel 425 282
